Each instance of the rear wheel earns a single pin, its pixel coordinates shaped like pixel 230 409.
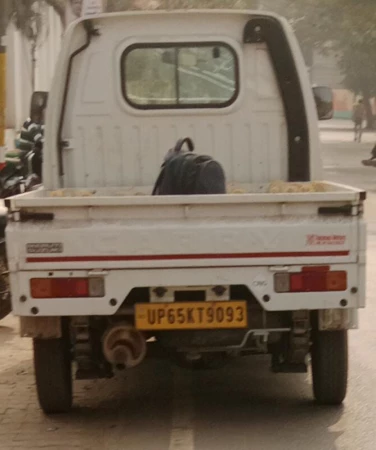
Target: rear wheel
pixel 329 366
pixel 53 374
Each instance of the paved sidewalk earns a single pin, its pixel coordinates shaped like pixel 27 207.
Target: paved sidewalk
pixel 341 131
pixel 336 124
pixel 22 424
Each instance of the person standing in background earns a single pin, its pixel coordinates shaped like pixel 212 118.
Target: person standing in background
pixel 359 115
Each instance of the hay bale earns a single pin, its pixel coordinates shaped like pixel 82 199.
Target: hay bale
pixel 283 187
pixel 63 193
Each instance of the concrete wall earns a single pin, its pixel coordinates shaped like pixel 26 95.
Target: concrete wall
pixel 19 68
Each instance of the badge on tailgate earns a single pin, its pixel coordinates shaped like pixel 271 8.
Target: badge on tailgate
pixel 191 316
pixel 54 247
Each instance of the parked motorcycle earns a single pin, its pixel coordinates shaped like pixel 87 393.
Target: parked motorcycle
pixel 18 174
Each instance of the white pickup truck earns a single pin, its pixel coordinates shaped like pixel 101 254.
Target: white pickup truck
pixel 103 274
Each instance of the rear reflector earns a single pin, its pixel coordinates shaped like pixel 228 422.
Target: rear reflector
pixel 311 281
pixel 66 287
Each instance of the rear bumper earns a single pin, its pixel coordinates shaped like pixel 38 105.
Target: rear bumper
pixel 119 283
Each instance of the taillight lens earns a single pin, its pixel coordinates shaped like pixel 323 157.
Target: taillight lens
pixel 66 287
pixel 311 281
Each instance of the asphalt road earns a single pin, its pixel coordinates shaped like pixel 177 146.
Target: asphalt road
pixel 241 407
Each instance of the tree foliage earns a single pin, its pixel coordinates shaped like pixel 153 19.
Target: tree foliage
pixel 348 25
pixel 31 18
pixel 122 5
pixel 353 34
pixel 23 12
pixel 350 28
pixel 58 6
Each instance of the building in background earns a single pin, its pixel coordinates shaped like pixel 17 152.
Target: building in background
pixel 325 72
pixel 20 70
pixel 20 66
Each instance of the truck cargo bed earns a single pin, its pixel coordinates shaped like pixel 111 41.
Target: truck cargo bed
pixel 105 230
pixel 237 194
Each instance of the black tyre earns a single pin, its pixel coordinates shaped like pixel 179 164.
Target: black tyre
pixel 5 298
pixel 329 366
pixel 53 374
pixel 5 306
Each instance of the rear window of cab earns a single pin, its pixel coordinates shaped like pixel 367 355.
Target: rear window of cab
pixel 180 76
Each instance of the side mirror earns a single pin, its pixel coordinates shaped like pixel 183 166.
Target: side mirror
pixel 38 105
pixel 324 102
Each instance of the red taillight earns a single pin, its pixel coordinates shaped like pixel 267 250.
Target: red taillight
pixel 71 287
pixel 336 281
pixel 66 287
pixel 311 281
pixel 2 165
pixel 296 282
pixel 308 282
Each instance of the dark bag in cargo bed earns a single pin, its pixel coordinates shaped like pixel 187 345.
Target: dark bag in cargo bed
pixel 186 173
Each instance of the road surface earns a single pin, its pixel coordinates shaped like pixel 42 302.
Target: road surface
pixel 242 407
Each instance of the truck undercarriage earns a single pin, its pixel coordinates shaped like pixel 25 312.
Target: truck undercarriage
pixel 98 347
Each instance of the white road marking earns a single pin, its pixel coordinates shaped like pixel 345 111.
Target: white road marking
pixel 182 435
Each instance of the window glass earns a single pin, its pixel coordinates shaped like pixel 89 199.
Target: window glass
pixel 180 76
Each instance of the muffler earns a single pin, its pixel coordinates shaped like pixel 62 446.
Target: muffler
pixel 124 346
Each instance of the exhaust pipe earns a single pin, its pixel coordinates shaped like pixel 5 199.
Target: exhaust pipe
pixel 124 346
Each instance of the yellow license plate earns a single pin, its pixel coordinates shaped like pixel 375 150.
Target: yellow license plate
pixel 191 316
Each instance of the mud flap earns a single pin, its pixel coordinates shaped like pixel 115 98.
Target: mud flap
pixel 41 327
pixel 290 355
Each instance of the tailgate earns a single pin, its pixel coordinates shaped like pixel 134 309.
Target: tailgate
pixel 215 231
